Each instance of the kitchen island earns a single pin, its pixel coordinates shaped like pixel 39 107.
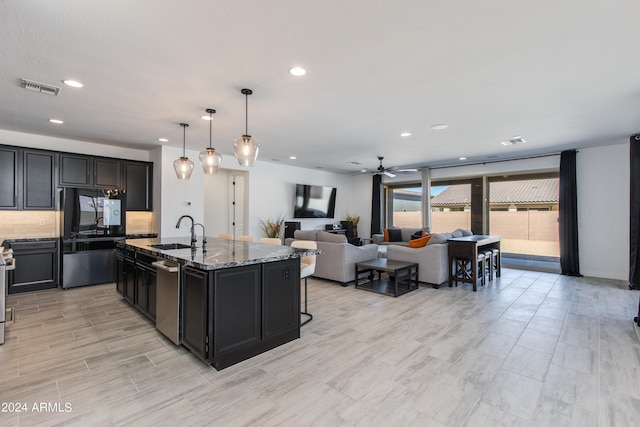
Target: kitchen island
pixel 235 299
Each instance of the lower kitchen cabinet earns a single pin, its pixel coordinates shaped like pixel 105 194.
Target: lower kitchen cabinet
pixel 145 286
pixel 195 321
pixel 126 274
pixel 36 265
pixel 237 312
pixel 232 314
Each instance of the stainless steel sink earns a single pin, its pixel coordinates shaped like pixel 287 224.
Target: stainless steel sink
pixel 169 246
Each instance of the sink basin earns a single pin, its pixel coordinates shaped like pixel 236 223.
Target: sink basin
pixel 169 246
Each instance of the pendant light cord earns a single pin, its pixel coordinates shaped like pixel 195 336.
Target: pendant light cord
pixel 246 113
pixel 184 138
pixel 210 127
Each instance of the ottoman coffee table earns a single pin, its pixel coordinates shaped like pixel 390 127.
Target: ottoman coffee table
pixel 402 277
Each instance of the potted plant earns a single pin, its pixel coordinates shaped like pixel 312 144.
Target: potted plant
pixel 354 219
pixel 273 228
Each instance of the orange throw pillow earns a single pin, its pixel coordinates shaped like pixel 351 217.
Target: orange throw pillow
pixel 419 243
pixel 386 235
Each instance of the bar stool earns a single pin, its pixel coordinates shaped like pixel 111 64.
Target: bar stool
pixel 495 261
pixel 482 268
pixel 464 270
pixel 488 260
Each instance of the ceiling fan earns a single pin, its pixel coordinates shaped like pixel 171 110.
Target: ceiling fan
pixel 389 172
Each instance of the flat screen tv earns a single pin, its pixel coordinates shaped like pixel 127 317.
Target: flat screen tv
pixel 314 201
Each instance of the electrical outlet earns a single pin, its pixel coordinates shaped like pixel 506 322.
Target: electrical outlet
pixel 42 222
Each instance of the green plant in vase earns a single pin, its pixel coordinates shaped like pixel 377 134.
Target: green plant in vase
pixel 354 219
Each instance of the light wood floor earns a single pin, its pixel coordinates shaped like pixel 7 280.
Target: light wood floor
pixel 529 349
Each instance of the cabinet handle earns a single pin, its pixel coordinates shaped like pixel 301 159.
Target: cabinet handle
pixel 286 274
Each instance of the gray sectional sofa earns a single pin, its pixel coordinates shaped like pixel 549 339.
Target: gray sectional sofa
pixel 338 262
pixel 432 259
pixel 405 234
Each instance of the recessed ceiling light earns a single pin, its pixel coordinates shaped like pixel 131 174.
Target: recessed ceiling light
pixel 56 121
pixel 439 126
pixel 73 83
pixel 297 71
pixel 462 158
pixel 163 140
pixel 363 170
pixel 405 134
pixel 206 117
pixel 292 157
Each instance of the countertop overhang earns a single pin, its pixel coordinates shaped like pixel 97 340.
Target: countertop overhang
pixel 217 253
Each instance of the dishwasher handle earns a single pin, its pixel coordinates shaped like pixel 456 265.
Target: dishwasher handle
pixel 162 266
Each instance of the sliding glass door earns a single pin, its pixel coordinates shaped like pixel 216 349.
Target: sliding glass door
pixel 524 211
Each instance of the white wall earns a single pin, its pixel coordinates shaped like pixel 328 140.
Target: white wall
pixel 178 197
pixel 272 192
pixel 603 211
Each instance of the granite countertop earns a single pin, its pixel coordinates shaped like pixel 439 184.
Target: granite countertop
pixel 218 253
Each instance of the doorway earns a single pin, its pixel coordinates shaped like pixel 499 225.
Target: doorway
pixel 225 202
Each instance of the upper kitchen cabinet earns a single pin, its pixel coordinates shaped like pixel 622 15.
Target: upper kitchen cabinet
pixel 138 185
pixel 107 173
pixel 87 171
pixel 8 178
pixel 38 180
pixel 75 170
pixel 27 179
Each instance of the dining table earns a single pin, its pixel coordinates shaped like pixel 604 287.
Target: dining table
pixel 467 248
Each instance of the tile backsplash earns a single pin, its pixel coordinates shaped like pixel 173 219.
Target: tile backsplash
pixel 27 224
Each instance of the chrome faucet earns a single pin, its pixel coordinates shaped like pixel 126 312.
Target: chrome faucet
pixel 193 229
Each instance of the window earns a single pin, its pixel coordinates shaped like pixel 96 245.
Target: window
pixel 404 205
pixel 450 206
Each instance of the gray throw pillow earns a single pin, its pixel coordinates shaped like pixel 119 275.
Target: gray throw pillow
pixel 439 238
pixel 466 232
pixel 456 233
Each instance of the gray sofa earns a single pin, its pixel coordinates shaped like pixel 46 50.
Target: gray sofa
pixel 432 259
pixel 338 262
pixel 405 233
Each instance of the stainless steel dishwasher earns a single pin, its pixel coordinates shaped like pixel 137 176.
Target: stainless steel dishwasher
pixel 168 299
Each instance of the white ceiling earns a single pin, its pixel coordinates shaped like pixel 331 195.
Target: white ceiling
pixel 562 74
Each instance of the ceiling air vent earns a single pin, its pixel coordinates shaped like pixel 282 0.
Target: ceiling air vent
pixel 40 87
pixel 516 140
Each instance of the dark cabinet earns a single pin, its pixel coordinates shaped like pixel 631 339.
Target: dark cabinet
pixel 195 324
pixel 107 173
pixel 130 280
pixel 8 178
pixel 125 273
pixel 121 275
pixel 145 284
pixel 280 298
pixel 75 170
pixel 251 309
pixel 36 266
pixel 29 178
pixel 237 313
pixel 38 180
pixel 138 179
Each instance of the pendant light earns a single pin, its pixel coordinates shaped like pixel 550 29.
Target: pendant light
pixel 209 158
pixel 245 147
pixel 183 165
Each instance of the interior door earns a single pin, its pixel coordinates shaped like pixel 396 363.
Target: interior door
pixel 237 204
